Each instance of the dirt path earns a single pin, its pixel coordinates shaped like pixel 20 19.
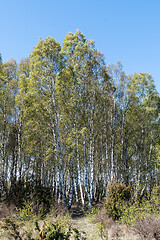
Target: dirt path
pixel 84 223
pixel 87 228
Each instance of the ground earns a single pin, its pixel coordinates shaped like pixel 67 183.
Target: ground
pixel 90 226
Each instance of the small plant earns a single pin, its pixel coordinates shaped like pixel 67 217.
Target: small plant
pixel 53 232
pixel 118 199
pixel 78 235
pixel 26 212
pixel 93 213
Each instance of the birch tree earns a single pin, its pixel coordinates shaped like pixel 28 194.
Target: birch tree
pixel 147 99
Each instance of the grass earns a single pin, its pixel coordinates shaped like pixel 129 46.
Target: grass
pixel 95 225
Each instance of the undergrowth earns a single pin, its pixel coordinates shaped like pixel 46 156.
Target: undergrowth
pixel 26 226
pixel 29 222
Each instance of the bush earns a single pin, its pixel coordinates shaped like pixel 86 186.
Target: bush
pixel 26 212
pixel 31 192
pixel 53 232
pixel 57 228
pixel 118 199
pixel 149 207
pixel 153 204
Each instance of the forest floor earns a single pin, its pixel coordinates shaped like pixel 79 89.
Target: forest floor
pixel 90 227
pixel 97 229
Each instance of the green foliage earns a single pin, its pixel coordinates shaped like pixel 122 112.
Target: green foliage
pixel 49 230
pixel 36 203
pixel 64 113
pixel 131 214
pixel 155 200
pixel 94 212
pixel 78 235
pixel 25 194
pixel 57 231
pixel 53 232
pixel 26 212
pixel 117 200
pixel 148 207
pixel 42 196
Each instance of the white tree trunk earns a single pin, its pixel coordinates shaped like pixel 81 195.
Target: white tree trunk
pixel 80 177
pixel 58 141
pixel 92 156
pixel 86 173
pixel 112 140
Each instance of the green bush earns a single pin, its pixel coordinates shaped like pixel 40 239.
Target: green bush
pixel 23 192
pixel 137 211
pixel 51 229
pixel 131 213
pixel 118 199
pixel 153 204
pixel 26 211
pixel 53 232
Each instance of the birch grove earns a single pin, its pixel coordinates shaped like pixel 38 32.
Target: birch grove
pixel 71 124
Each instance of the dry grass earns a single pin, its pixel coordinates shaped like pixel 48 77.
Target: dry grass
pixel 149 227
pixel 92 226
pixel 6 210
pixel 100 227
pixel 114 232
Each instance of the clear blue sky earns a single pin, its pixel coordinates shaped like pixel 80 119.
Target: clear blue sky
pixel 123 30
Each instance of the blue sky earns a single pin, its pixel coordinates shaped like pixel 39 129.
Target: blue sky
pixel 123 30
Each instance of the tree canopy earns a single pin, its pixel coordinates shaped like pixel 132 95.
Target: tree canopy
pixel 71 124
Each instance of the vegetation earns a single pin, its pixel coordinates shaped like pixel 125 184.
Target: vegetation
pixel 73 130
pixel 118 200
pixel 95 224
pixel 50 229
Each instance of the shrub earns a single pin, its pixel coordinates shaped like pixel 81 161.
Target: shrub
pixel 26 211
pixel 33 192
pixel 53 232
pixel 118 199
pixel 153 204
pixel 132 213
pixel 58 228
